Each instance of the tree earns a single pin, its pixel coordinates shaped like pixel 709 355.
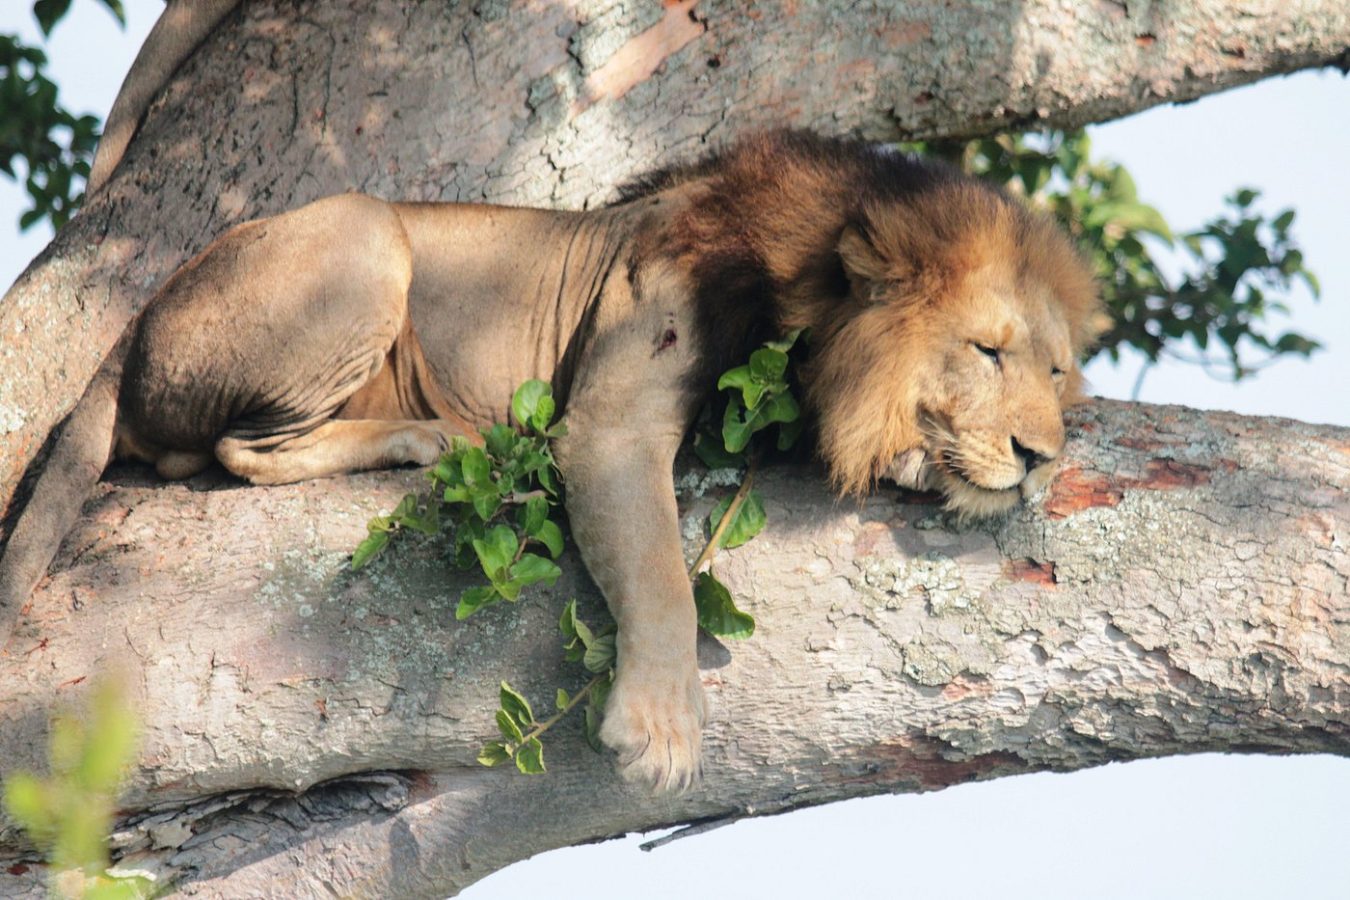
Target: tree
pixel 576 130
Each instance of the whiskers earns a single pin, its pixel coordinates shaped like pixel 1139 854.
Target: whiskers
pixel 950 464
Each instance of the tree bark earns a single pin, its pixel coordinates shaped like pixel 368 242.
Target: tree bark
pixel 1181 588
pixel 554 103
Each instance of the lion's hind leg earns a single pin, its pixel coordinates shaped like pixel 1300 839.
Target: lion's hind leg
pixel 336 446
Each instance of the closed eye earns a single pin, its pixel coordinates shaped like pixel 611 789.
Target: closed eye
pixel 1056 373
pixel 993 353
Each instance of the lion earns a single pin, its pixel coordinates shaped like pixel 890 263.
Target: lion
pixel 946 323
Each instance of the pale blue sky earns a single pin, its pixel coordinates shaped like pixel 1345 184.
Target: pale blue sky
pixel 1199 827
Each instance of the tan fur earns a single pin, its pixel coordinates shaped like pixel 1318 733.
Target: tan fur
pixel 354 333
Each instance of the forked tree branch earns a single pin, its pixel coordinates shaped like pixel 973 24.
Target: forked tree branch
pixel 1184 588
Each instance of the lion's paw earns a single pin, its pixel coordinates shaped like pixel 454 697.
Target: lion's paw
pixel 655 724
pixel 423 445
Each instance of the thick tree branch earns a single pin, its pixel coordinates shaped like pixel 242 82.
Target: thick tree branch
pixel 553 103
pixel 1183 587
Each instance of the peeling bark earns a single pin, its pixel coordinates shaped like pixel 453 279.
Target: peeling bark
pixel 554 103
pixel 1185 589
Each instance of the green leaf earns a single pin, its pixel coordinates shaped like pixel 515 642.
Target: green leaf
pixel 573 628
pixel 516 706
pixel 531 569
pixel 496 550
pixel 749 521
pixel 26 800
pixel 508 588
pixel 477 469
pixel 448 470
pixel 782 408
pixel 109 745
pixel 736 432
pixel 370 548
pixel 1121 186
pixel 567 622
pixel 500 440
pixel 525 402
pixel 789 432
pixel 753 394
pixel 493 753
pixel 736 378
pixel 1290 342
pixel 717 612
pixel 767 366
pixel 530 757
pixel 594 707
pixel 599 653
pixel 508 727
pixel 473 599
pixel 406 507
pixel 550 535
pixel 547 479
pixel 714 453
pixel 533 515
pixel 486 503
pixel 48 13
pixel 543 414
pixel 561 701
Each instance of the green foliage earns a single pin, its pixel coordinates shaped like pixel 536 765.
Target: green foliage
pixel 1225 279
pixel 717 612
pixel 758 396
pixel 747 521
pixel 519 728
pixel 54 145
pixel 470 478
pixel 69 813
pixel 498 499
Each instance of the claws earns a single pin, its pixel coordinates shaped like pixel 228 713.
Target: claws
pixel 656 730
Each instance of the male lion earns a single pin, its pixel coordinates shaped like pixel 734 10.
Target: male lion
pixel 946 323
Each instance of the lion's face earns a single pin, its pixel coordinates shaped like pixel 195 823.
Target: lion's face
pixel 991 412
pixel 958 357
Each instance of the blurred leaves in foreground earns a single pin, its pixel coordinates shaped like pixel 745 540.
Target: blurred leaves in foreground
pixel 69 812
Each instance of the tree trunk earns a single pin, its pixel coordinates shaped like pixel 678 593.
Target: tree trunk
pixel 554 103
pixel 1181 588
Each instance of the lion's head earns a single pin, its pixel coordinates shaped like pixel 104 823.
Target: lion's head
pixel 957 348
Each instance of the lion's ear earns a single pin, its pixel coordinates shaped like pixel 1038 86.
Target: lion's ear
pixel 863 265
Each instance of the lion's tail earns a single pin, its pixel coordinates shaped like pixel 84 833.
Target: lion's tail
pixel 78 457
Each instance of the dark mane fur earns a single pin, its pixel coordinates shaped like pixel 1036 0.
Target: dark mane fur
pixel 765 217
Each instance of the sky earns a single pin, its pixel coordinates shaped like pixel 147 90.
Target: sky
pixel 1194 827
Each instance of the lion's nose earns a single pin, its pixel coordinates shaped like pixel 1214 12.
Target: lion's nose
pixel 1030 458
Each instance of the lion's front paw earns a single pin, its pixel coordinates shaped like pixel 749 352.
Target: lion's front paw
pixel 654 721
